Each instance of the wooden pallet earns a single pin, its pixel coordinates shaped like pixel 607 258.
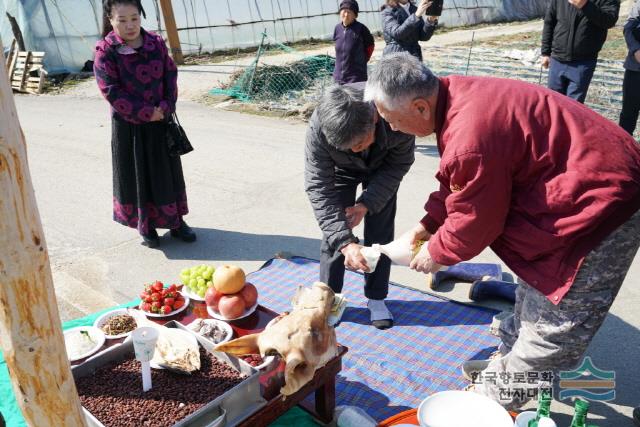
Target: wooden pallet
pixel 27 73
pixel 11 58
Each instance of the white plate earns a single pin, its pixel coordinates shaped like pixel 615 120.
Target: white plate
pixel 173 313
pixel 266 361
pixel 221 317
pixel 186 291
pixel 96 335
pixel 100 321
pixel 443 410
pixel 224 325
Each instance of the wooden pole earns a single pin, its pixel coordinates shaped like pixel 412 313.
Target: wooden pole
pixel 172 31
pixel 30 331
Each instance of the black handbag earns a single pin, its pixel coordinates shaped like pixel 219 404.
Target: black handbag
pixel 177 140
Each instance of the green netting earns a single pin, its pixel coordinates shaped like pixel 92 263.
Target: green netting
pixel 269 82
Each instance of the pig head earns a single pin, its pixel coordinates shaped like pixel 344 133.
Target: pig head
pixel 301 338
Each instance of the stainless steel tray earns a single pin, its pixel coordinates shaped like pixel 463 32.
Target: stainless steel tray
pixel 226 410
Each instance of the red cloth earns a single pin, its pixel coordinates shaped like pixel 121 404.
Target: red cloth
pixel 370 48
pixel 537 176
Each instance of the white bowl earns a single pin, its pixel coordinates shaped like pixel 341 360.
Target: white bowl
pixel 462 408
pixel 96 335
pixel 523 418
pixel 266 362
pixel 221 324
pixel 219 316
pixel 187 292
pixel 100 321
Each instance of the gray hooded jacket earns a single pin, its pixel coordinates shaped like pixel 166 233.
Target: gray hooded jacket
pixel 389 159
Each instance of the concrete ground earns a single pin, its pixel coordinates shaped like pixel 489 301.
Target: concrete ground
pixel 247 203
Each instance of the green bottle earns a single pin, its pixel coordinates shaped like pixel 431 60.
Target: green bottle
pixel 544 409
pixel 580 414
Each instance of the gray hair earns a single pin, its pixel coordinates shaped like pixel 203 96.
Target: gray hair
pixel 344 116
pixel 398 78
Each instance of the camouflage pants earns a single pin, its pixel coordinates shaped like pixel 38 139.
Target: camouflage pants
pixel 542 337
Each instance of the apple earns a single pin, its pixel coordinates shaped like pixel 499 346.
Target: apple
pixel 249 294
pixel 231 306
pixel 212 298
pixel 228 279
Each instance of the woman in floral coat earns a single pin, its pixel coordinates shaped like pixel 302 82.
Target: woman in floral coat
pixel 138 78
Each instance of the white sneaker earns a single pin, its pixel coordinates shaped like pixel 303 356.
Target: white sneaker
pixel 471 367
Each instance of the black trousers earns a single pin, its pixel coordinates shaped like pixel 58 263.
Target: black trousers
pixel 378 228
pixel 630 100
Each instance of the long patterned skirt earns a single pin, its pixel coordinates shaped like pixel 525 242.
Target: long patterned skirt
pixel 148 184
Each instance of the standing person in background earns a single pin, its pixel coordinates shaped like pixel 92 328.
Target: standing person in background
pixel 631 83
pixel 573 34
pixel 138 78
pixel 354 45
pixel 404 25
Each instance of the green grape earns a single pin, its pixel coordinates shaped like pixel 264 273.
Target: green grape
pixel 209 284
pixel 207 274
pixel 201 281
pixel 193 283
pixel 201 293
pixel 185 271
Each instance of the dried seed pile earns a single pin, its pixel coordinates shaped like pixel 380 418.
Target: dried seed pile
pixel 114 393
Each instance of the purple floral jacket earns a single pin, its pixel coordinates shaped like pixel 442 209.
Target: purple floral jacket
pixel 134 81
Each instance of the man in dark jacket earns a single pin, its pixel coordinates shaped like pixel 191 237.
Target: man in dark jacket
pixel 550 185
pixel 631 83
pixel 354 45
pixel 573 34
pixel 348 144
pixel 404 25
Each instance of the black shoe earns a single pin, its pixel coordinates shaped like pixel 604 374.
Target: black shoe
pixel 383 324
pixel 636 416
pixel 184 233
pixel 151 240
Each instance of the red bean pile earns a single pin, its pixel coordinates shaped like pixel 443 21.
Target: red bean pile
pixel 114 393
pixel 253 359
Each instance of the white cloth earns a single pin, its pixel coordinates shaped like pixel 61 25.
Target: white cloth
pixel 379 310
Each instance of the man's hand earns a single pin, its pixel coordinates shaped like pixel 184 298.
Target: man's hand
pixel 545 61
pixel 157 115
pixel 422 7
pixel 636 55
pixel 353 259
pixel 422 262
pixel 578 3
pixel 355 214
pixel 416 233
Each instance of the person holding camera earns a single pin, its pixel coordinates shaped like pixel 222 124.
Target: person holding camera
pixel 405 24
pixel 631 82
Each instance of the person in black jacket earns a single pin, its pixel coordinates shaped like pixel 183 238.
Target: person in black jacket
pixel 631 83
pixel 349 144
pixel 573 34
pixel 404 25
pixel 354 45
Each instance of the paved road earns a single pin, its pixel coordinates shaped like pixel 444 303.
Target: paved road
pixel 247 204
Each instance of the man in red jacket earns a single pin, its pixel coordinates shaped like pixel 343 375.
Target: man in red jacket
pixel 552 187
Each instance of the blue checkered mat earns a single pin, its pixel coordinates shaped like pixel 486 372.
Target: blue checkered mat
pixel 386 372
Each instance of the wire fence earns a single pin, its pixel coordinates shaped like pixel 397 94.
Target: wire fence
pixel 303 79
pixel 284 86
